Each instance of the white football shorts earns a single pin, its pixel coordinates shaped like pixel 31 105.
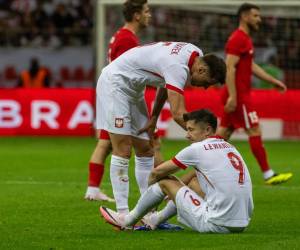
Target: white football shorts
pixel 192 212
pixel 115 111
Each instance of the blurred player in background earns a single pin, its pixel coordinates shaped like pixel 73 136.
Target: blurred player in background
pixel 238 110
pixel 121 107
pixel 217 196
pixel 137 16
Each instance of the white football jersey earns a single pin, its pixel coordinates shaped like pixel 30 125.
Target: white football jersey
pixel 224 178
pixel 162 64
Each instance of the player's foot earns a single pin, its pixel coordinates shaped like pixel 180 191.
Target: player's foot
pixel 95 194
pixel 113 218
pixel 278 178
pixel 168 226
pixel 151 222
pixel 142 228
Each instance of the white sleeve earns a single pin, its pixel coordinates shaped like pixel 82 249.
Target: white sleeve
pixel 175 77
pixel 186 157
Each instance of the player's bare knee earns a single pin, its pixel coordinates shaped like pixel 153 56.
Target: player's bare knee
pixel 191 184
pixel 122 151
pixel 164 184
pixel 144 151
pixel 255 131
pixel 104 145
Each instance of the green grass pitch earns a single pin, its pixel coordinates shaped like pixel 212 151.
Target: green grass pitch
pixel 43 180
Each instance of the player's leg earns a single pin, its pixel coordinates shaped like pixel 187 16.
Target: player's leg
pixel 96 165
pixel 121 149
pixel 188 203
pixel 225 132
pixel 226 126
pixel 96 168
pixel 168 186
pixel 114 115
pixel 144 162
pixel 194 185
pixel 143 166
pixel 170 210
pixel 158 157
pixel 258 150
pixel 148 200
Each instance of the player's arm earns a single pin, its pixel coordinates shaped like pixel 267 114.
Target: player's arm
pixel 231 62
pixel 177 107
pixel 260 73
pixel 161 171
pixel 160 99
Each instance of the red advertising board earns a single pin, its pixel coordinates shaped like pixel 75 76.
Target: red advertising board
pixel 71 111
pixel 46 111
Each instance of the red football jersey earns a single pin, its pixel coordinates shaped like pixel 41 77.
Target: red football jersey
pixel 122 40
pixel 240 44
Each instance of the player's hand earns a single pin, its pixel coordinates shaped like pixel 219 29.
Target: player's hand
pixel 149 128
pixel 230 105
pixel 280 86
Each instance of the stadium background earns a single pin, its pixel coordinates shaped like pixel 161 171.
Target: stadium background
pixel 43 178
pixel 70 40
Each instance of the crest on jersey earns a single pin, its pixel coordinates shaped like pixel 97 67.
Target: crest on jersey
pixel 119 122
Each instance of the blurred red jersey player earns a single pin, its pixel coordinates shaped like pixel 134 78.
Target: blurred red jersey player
pixel 238 110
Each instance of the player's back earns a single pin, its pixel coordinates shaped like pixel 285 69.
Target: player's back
pixel 225 179
pixel 150 63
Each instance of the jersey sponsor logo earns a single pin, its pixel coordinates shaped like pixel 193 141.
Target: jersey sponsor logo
pixel 119 122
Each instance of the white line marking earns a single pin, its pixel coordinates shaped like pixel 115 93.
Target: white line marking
pixel 107 184
pixel 276 187
pixel 58 183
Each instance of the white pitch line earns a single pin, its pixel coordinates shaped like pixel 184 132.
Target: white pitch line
pixel 58 183
pixel 106 184
pixel 276 187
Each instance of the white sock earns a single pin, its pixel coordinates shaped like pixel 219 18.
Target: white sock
pixel 143 167
pixel 166 213
pixel 93 190
pixel 149 199
pixel 120 182
pixel 269 173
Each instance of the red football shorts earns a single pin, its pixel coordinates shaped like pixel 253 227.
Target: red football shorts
pixel 243 117
pixel 103 135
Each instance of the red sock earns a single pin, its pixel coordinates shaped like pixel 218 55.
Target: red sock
pixel 259 152
pixel 96 172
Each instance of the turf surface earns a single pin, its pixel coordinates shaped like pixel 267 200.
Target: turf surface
pixel 43 180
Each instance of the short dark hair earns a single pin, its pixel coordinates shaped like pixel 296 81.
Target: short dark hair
pixel 245 7
pixel 217 67
pixel 132 6
pixel 202 115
